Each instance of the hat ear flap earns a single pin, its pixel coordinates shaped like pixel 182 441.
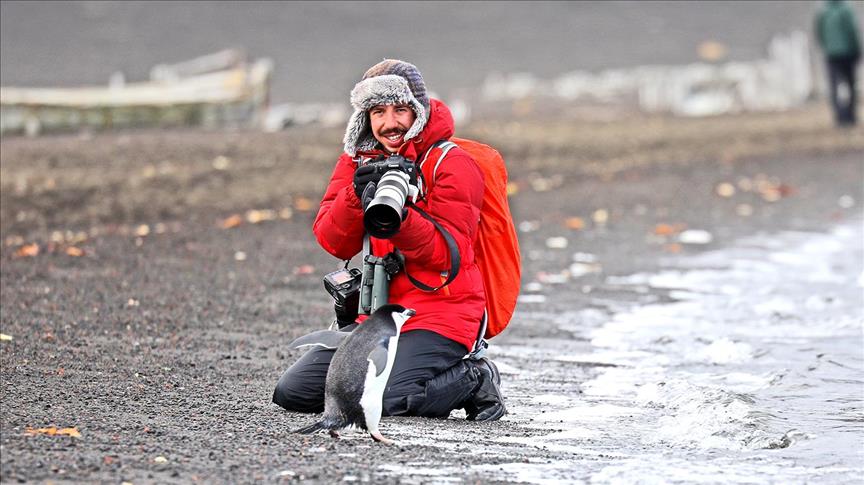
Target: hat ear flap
pixel 420 118
pixel 358 127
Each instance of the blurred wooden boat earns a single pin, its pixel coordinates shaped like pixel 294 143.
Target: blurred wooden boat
pixel 214 91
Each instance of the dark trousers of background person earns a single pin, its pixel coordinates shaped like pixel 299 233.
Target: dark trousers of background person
pixel 841 70
pixel 429 378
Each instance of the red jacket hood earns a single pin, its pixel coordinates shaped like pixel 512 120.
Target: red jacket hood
pixel 439 127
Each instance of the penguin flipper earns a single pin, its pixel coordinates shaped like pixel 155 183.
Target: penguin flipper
pixel 329 339
pixel 378 357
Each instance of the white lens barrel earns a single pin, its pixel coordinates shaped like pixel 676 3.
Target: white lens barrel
pixel 393 184
pixel 383 215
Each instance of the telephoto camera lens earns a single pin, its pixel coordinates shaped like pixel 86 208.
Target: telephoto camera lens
pixel 383 215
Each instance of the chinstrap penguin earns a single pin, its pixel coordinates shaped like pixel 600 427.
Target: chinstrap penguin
pixel 358 372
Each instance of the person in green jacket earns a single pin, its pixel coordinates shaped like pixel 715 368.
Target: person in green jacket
pixel 837 34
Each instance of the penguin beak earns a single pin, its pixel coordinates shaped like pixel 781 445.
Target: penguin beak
pixel 409 312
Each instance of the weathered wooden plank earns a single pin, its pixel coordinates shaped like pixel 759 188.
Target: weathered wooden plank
pixel 235 97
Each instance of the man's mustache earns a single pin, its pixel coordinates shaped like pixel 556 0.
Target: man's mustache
pixel 395 131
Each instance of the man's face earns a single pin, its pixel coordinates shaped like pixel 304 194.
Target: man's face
pixel 390 123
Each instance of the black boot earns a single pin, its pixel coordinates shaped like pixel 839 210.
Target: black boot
pixel 486 403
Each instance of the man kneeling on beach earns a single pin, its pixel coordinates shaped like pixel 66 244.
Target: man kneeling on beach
pixel 430 377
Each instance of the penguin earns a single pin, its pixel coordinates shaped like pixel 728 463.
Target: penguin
pixel 358 372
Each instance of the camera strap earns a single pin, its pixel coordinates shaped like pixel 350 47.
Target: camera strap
pixel 455 257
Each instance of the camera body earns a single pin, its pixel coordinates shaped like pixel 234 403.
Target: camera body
pixel 383 216
pixel 384 164
pixel 344 286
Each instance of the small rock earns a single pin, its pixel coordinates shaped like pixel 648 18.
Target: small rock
pixel 744 210
pixel 695 236
pixel 581 269
pixel 725 190
pixel 529 226
pixel 532 298
pixel 600 216
pixel 584 258
pixel 533 287
pixel 221 163
pixel 557 242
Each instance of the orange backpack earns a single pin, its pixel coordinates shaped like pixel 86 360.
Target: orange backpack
pixel 496 248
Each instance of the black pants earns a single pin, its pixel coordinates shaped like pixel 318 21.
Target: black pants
pixel 841 70
pixel 429 378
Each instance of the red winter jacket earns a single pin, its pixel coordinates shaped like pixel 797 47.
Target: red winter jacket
pixel 454 201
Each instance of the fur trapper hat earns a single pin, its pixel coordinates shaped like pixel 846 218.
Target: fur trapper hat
pixel 387 83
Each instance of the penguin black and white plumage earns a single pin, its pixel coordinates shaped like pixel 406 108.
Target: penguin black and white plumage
pixel 359 370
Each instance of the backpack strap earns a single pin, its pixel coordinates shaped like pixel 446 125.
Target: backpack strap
pixel 452 247
pixel 444 146
pixel 480 345
pixel 455 257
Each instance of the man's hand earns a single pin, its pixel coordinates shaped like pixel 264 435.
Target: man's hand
pixel 368 194
pixel 362 176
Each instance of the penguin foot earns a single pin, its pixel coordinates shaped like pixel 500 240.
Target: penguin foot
pixel 381 439
pixel 335 434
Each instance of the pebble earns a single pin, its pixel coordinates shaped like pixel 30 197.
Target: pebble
pixel 557 242
pixel 695 236
pixel 600 216
pixel 532 298
pixel 529 226
pixel 725 190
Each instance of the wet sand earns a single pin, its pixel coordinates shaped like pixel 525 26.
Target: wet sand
pixel 161 343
